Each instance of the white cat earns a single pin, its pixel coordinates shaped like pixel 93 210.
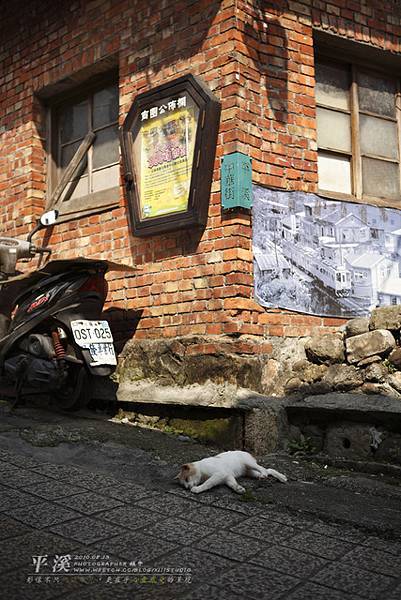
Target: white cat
pixel 223 469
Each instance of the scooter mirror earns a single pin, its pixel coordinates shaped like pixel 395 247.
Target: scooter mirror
pixel 49 218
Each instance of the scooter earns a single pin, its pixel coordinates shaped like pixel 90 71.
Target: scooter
pixel 53 340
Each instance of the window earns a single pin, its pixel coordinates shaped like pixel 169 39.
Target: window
pixel 95 183
pixel 358 132
pixel 360 275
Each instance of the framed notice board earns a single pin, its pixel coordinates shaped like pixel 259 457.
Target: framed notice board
pixel 168 142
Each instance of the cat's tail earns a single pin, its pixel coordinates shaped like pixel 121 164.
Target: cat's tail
pixel 277 475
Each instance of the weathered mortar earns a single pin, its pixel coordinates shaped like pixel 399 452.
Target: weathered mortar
pixel 219 369
pixel 190 360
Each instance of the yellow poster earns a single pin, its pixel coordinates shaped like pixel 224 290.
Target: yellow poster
pixel 166 157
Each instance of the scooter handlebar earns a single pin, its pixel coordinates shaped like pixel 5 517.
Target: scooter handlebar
pixel 44 250
pixel 41 250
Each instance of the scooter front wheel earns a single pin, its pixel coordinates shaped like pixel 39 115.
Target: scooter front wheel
pixel 76 391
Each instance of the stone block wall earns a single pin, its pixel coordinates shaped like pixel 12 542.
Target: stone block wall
pixel 362 356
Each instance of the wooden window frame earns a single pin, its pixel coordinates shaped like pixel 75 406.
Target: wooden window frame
pixel 327 55
pixel 93 202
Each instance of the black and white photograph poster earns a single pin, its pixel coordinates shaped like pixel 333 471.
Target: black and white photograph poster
pixel 324 257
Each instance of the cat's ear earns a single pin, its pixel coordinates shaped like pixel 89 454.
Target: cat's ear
pixel 184 470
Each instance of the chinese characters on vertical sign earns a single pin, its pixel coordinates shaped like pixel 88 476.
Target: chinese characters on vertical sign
pixel 236 181
pixel 228 184
pixel 246 184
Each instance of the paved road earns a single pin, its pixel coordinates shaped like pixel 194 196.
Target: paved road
pixel 72 512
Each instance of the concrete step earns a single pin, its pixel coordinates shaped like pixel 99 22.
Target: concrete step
pixel 359 407
pixel 354 427
pixel 350 426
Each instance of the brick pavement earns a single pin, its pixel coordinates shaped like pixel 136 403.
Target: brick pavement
pixel 234 549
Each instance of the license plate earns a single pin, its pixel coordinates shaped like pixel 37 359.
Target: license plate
pixel 96 337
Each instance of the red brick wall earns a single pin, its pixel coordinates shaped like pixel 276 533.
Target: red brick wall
pixel 275 61
pixel 257 57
